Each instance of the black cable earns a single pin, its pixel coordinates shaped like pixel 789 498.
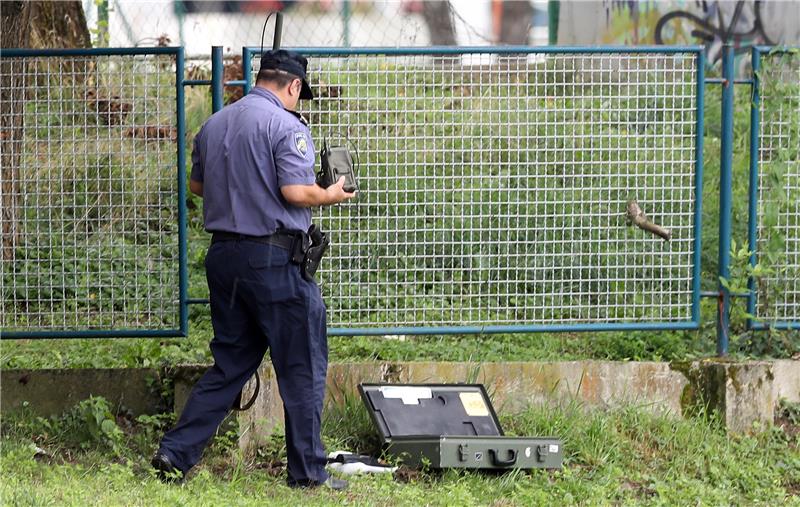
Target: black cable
pixel 264 30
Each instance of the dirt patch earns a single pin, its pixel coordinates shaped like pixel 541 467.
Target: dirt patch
pixel 640 489
pixel 406 475
pixel 273 468
pixel 787 418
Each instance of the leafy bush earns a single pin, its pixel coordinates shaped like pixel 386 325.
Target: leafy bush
pixel 90 424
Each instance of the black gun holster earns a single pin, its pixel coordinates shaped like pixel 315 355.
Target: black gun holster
pixel 308 252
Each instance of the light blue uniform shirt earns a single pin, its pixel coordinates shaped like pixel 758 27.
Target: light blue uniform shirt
pixel 243 155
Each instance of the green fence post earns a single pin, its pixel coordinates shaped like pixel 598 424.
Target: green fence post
pixel 247 68
pixel 346 22
pixel 553 11
pixel 183 275
pixel 752 226
pixel 276 37
pixel 217 71
pixel 180 13
pixel 725 199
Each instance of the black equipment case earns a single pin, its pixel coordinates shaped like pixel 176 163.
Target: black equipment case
pixel 451 426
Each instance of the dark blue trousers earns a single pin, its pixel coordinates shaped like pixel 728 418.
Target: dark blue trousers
pixel 259 301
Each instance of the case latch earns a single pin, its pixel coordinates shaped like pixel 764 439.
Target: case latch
pixel 463 452
pixel 541 453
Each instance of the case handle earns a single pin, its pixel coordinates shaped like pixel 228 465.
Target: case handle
pixel 512 458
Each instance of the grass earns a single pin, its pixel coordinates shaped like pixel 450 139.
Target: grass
pixel 622 456
pixel 133 352
pixel 617 346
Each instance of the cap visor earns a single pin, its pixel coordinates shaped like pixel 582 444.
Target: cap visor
pixel 305 91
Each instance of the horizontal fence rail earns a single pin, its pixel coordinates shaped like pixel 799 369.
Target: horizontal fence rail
pixel 92 193
pixel 775 188
pixel 495 185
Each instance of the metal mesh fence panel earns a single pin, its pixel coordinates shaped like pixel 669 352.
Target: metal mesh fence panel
pixel 93 189
pixel 493 188
pixel 778 221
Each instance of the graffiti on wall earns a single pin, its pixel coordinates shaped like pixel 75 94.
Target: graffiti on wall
pixel 743 28
pixel 711 23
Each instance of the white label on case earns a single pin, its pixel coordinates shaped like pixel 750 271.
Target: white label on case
pixel 409 394
pixel 474 404
pixel 553 449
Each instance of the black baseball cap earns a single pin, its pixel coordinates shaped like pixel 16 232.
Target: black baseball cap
pixel 291 62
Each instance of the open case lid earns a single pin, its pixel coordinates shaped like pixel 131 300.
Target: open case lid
pixel 403 410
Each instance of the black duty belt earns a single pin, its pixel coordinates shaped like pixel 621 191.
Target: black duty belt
pixel 282 239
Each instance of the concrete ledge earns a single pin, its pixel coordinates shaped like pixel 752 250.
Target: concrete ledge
pixel 743 393
pixel 786 380
pixel 51 392
pixel 512 386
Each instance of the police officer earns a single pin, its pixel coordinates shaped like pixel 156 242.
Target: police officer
pixel 253 164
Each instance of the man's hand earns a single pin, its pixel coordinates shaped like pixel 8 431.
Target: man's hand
pixel 314 195
pixel 336 192
pixel 196 187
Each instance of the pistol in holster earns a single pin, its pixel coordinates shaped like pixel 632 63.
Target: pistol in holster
pixel 309 251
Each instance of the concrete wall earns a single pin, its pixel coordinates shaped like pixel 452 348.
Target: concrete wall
pixel 786 380
pixel 50 392
pixel 743 393
pixel 635 23
pixel 512 386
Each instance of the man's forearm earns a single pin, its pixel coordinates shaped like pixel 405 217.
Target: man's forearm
pixel 307 196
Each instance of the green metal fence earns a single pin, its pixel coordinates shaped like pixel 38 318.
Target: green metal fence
pixel 93 193
pixel 495 184
pixel 775 188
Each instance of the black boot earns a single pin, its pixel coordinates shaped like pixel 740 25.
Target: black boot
pixel 165 470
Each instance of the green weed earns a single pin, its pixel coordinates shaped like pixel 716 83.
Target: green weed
pixel 89 424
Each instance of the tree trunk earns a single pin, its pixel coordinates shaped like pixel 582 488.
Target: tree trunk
pixel 440 23
pixel 36 24
pixel 515 25
pixel 58 25
pixel 15 33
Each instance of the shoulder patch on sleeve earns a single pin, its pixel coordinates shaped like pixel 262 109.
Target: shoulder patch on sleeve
pixel 301 143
